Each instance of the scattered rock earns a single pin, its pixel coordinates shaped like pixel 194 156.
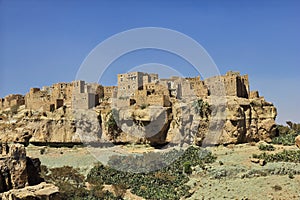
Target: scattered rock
pixel 255 160
pixel 262 162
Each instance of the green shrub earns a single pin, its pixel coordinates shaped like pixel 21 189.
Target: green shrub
pixel 14 109
pixel 287 134
pixel 291 176
pixel 201 107
pixel 68 179
pixel 144 106
pixel 111 124
pixel 284 156
pixel 187 167
pixel 266 147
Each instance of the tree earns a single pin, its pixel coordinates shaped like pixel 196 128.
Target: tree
pixel 68 179
pixel 14 109
pixel 111 124
pixel 201 107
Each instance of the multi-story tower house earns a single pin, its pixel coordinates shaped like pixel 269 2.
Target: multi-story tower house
pixel 130 82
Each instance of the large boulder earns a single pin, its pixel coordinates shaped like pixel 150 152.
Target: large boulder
pixel 17 170
pixel 41 191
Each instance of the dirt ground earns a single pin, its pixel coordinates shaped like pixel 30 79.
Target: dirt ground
pixel 232 176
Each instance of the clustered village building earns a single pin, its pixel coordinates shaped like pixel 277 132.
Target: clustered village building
pixel 134 88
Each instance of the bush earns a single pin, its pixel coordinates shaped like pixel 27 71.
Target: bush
pixel 68 179
pixel 111 124
pixel 267 147
pixel 143 106
pixel 42 151
pixel 291 175
pixel 287 134
pixel 201 107
pixel 187 167
pixel 14 109
pixel 284 156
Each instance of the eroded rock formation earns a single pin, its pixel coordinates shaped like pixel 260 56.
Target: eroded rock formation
pixel 19 175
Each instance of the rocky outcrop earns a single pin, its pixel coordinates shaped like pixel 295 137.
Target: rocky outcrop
pixel 20 175
pixel 248 120
pixel 41 191
pixel 234 120
pixel 136 125
pixel 239 120
pixel 40 127
pixel 17 170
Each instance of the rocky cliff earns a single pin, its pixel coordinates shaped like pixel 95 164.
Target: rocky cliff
pixel 235 116
pixel 238 120
pixel 38 127
pixel 242 120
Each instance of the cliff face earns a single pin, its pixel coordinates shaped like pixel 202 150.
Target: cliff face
pixel 241 120
pixel 39 127
pixel 136 125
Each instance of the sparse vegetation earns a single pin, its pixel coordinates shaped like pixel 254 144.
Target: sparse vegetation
pixel 14 109
pixel 144 106
pixel 277 187
pixel 68 179
pixel 72 185
pixel 201 107
pixel 111 124
pixel 287 134
pixel 284 156
pixel 266 147
pixel 166 183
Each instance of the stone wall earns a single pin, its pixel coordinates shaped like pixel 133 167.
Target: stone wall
pixel 37 99
pixel 254 95
pixel 130 82
pixel 231 84
pixel 110 92
pixel 77 93
pixel 11 100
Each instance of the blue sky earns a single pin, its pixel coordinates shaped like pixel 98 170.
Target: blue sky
pixel 43 42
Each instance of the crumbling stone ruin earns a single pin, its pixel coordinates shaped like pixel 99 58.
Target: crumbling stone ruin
pixel 77 94
pixel 133 88
pixel 11 100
